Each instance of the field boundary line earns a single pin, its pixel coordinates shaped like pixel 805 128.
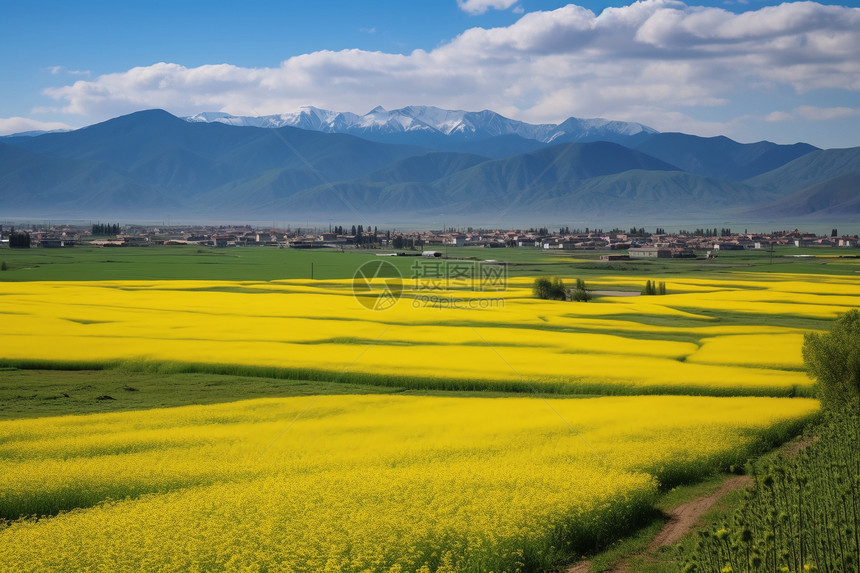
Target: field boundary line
pixel 307 408
pixel 539 395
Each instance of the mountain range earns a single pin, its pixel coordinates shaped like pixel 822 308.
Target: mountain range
pixel 438 128
pixel 415 164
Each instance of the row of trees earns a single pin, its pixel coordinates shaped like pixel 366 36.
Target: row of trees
pixel 19 240
pixel 708 232
pixel 105 229
pixel 654 288
pixel 354 230
pixel 362 236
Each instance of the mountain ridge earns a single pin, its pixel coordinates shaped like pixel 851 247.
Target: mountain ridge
pixel 151 162
pixel 429 124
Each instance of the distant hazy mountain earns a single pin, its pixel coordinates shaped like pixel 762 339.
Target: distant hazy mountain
pixel 811 169
pixel 180 162
pixel 720 156
pixel 34 133
pixel 434 127
pixel 825 183
pixel 837 197
pixel 598 178
pixel 152 164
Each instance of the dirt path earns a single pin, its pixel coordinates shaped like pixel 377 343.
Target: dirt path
pixel 684 517
pixel 791 449
pixel 681 520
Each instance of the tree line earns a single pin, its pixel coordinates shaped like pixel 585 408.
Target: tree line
pixel 708 232
pixel 105 229
pixel 654 288
pixel 19 240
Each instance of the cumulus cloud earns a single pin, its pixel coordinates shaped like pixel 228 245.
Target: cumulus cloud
pixel 481 6
pixel 658 59
pixel 11 125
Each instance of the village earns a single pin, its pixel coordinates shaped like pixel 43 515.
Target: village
pixel 632 243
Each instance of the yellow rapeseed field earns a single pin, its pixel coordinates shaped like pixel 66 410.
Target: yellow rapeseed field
pixel 393 483
pixel 707 336
pixel 358 483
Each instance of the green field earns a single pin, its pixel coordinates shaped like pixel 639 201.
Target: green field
pixel 262 263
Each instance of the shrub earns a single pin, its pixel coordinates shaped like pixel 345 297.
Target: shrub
pixel 549 289
pixel 833 360
pixel 581 293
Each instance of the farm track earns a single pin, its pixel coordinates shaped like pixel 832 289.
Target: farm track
pixel 685 517
pixel 682 519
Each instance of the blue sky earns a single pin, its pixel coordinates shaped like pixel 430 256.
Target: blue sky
pixel 750 69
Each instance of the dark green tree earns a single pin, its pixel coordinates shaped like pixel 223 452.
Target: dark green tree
pixel 549 289
pixel 580 293
pixel 833 359
pixel 542 287
pixel 19 240
pixel 559 292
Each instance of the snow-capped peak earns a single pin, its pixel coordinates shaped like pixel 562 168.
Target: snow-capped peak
pixel 429 120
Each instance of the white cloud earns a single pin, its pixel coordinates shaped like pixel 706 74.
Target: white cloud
pixel 57 70
pixel 813 113
pixel 481 6
pixel 778 117
pixel 10 125
pixel 825 113
pixel 660 59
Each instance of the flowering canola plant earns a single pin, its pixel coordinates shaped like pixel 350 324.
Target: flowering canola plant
pixel 707 336
pixel 358 483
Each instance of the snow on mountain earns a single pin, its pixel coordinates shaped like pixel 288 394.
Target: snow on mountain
pixel 596 126
pixel 429 120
